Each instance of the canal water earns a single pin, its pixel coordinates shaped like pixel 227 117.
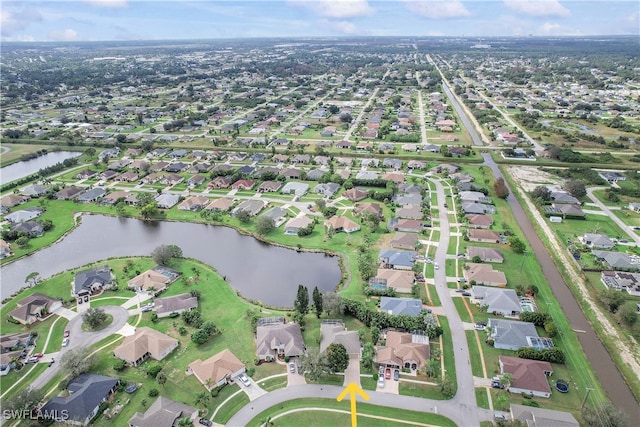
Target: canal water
pixel 28 167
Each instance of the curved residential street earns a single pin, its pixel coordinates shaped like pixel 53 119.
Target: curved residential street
pixel 453 409
pixel 79 338
pixel 628 230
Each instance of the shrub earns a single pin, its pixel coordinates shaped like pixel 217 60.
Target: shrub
pixel 119 365
pixel 153 371
pixel 251 371
pixel 153 392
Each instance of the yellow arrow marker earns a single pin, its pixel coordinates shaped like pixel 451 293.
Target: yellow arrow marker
pixel 352 389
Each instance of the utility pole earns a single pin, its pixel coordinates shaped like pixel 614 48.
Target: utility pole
pixel 585 398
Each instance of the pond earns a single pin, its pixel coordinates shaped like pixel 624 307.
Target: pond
pixel 28 167
pixel 260 271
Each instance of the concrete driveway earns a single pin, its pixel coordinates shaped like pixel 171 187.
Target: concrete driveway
pixel 352 373
pixel 253 391
pixel 294 378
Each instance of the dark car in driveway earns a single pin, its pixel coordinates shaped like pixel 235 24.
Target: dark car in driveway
pixel 396 375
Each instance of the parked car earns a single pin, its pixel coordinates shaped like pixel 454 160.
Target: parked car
pixel 479 327
pixel 66 333
pixel 244 380
pixel 65 342
pixel 380 382
pixel 396 375
pixel 205 422
pixel 460 290
pixel 146 308
pixel 381 370
pixel 435 265
pixel 387 374
pixel 466 294
pixel 32 359
pixel 292 367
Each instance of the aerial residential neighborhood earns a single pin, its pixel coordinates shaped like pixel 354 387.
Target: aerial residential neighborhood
pixel 232 231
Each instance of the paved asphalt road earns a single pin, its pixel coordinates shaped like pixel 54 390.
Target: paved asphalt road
pixel 632 234
pixel 79 338
pixel 453 409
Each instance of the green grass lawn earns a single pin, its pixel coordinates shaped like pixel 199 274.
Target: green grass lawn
pixel 448 353
pixel 320 418
pixel 232 406
pixel 482 398
pixel 474 354
pixel 273 383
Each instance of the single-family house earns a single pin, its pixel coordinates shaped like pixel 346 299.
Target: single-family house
pixel 622 280
pixel 12 347
pixel 171 179
pixel 128 176
pixel 563 197
pixel 24 215
pixel 167 200
pixel 81 405
pixel 416 165
pixel 222 205
pixel 220 182
pixel 221 368
pixel 34 190
pixel 176 167
pixel 404 240
pixel 613 177
pixel 404 350
pixel 291 173
pixel 158 166
pixel 164 412
pixel 409 212
pixel 406 225
pixel 368 208
pixel 92 195
pixel 539 417
pixel 30 228
pixel 154 280
pixel 295 224
pixel 598 241
pixel 341 223
pixel 327 190
pixel 513 334
pixel 334 332
pixel 252 206
pixel 277 213
pixel 483 236
pixel 477 208
pixel 11 200
pixel 175 304
pixel 566 210
pixel 315 175
pixel 497 300
pixel 400 306
pixel 616 260
pixel 479 221
pixel 243 184
pixel 112 198
pixel 408 199
pixel 145 343
pixel 367 175
pixel 193 203
pixel 484 274
pixel 34 307
pixel 355 194
pixel 93 280
pixel 86 174
pixel 279 340
pixel 396 259
pixel 527 376
pixel 68 193
pixel 196 180
pixel 297 188
pixel 269 187
pixel 400 280
pixel 485 254
pixel 473 197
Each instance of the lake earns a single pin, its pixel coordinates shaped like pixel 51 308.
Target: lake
pixel 260 271
pixel 28 167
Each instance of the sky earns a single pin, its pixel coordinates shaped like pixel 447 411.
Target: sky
pixel 100 20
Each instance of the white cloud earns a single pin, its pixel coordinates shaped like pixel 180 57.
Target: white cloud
pixel 64 35
pixel 555 29
pixel 437 9
pixel 13 21
pixel 337 9
pixel 344 27
pixel 108 3
pixel 538 7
